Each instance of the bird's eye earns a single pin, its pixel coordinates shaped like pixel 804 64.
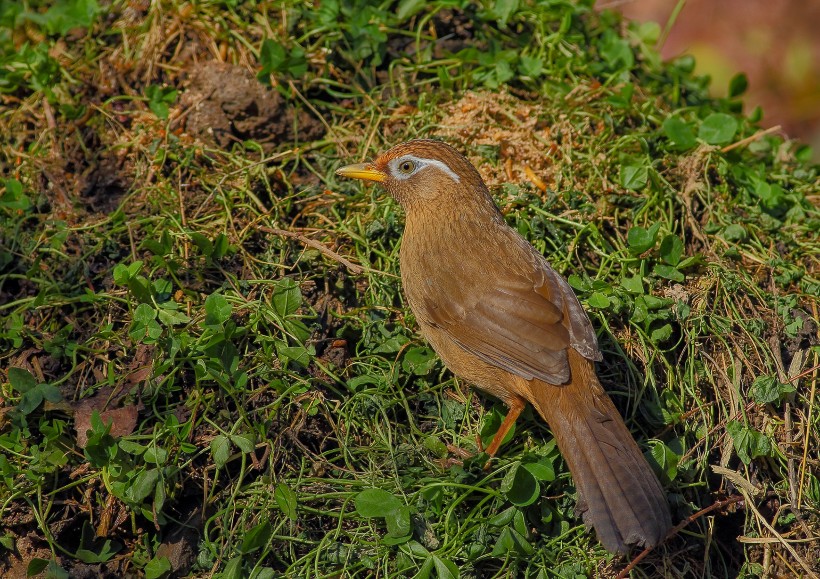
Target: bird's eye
pixel 407 167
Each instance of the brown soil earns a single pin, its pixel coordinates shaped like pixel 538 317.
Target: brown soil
pixel 225 104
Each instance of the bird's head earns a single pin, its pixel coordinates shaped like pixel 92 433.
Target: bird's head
pixel 422 173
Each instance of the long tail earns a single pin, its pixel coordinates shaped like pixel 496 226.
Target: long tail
pixel 619 494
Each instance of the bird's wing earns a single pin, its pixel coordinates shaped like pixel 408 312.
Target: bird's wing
pixel 522 320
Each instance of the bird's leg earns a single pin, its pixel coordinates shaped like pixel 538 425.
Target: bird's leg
pixel 516 406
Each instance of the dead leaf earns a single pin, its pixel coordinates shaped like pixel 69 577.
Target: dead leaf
pixel 123 420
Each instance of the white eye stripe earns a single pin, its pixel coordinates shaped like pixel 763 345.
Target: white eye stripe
pixel 443 166
pixel 421 164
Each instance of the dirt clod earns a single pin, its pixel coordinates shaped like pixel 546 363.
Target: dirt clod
pixel 225 104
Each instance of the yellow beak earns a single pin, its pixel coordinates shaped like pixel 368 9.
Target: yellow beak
pixel 364 171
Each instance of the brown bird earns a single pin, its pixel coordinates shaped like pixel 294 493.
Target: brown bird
pixel 501 318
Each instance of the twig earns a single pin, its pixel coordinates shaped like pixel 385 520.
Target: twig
pixel 766 540
pixel 677 528
pixel 354 269
pixel 750 138
pixel 789 548
pixel 803 374
pixel 737 479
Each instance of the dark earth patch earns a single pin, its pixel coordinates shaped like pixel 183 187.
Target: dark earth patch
pixel 225 105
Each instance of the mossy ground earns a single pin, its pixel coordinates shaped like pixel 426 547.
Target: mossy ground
pixel 209 367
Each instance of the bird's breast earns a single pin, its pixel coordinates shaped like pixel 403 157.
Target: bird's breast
pixel 445 258
pixel 428 270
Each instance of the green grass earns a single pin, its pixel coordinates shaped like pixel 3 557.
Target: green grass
pixel 185 390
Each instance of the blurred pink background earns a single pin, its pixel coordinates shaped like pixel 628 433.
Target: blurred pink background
pixel 775 42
